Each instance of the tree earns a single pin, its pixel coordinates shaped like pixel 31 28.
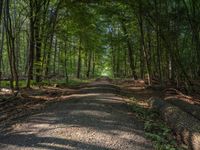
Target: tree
pixel 31 44
pixel 11 46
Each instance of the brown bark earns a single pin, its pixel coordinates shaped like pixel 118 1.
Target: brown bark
pixel 31 46
pixel 79 60
pixel 194 26
pixel 1 50
pixel 158 41
pixel 185 126
pixel 93 64
pixel 192 109
pixel 65 64
pixel 89 64
pixel 130 51
pixel 11 46
pixel 38 52
pixel 53 21
pixel 38 40
pixel 54 59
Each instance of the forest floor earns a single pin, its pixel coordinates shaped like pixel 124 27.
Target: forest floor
pixel 97 115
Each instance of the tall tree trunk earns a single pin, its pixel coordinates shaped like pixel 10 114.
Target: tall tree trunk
pixel 2 38
pixel 53 20
pixel 130 51
pixel 195 29
pixel 55 56
pixel 113 56
pixel 31 46
pixel 1 9
pixel 114 63
pixel 148 56
pixel 89 64
pixel 79 60
pixel 158 30
pixel 93 64
pixel 1 50
pixel 10 63
pixel 38 45
pixel 118 62
pixel 142 42
pixel 65 64
pixel 144 58
pixel 11 46
pixel 125 63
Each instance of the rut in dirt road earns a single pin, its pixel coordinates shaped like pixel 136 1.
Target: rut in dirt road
pixel 96 119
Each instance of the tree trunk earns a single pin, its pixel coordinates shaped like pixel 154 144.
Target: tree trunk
pixel 142 42
pixel 1 51
pixel 1 9
pixel 193 22
pixel 130 51
pixel 53 20
pixel 192 109
pixel 66 72
pixel 113 56
pixel 55 55
pixel 158 43
pixel 38 50
pixel 125 63
pixel 2 39
pixel 185 126
pixel 148 56
pixel 79 60
pixel 31 46
pixel 11 46
pixel 93 64
pixel 89 64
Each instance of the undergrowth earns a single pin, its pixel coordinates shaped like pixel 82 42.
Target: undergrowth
pixel 70 83
pixel 155 129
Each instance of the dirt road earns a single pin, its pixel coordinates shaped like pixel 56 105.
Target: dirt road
pixel 95 119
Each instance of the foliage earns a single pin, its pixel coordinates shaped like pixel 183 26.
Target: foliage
pixel 155 128
pixel 85 39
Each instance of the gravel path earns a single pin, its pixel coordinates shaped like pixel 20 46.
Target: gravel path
pixel 91 121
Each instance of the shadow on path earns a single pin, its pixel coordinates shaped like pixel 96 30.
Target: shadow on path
pixel 95 121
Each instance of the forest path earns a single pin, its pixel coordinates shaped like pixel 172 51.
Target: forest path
pixel 96 119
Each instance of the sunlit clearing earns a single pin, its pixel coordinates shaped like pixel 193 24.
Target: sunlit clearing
pixel 106 72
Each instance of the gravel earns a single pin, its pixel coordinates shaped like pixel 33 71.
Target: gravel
pixel 95 121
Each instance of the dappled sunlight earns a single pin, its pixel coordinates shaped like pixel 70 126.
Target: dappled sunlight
pixel 77 96
pixel 106 72
pixel 97 119
pixel 171 94
pixel 5 91
pixel 99 75
pixel 92 116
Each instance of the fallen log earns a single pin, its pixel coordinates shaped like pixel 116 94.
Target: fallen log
pixel 192 109
pixel 175 94
pixel 185 126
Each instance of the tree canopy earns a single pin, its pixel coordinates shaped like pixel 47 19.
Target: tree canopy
pixel 142 39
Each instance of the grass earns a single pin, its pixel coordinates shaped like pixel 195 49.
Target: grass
pixel 71 83
pixel 155 129
pixel 6 84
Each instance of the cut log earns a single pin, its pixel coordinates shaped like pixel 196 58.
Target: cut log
pixel 185 126
pixel 192 109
